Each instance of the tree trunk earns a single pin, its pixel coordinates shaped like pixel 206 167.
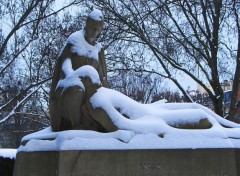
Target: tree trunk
pixel 235 90
pixel 236 80
pixel 217 104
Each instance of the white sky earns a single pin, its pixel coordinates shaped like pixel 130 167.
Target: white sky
pixel 185 80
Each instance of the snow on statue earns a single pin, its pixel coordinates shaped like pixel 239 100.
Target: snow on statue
pixel 80 70
pixel 82 104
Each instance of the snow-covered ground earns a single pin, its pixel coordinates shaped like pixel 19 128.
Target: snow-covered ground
pixel 8 153
pixel 150 126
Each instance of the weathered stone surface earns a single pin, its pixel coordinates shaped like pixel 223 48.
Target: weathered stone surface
pixel 188 162
pixel 36 164
pixel 6 166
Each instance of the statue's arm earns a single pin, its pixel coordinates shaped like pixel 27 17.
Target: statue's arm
pixel 102 70
pixel 58 73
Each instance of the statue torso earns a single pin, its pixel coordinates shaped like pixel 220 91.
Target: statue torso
pixel 81 53
pixel 79 61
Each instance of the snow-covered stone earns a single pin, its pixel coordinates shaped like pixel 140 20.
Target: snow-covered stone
pixel 82 47
pixel 73 77
pixel 148 127
pixel 8 153
pixel 96 15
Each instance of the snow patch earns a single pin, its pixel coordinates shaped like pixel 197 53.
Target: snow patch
pixel 72 139
pixel 96 15
pixel 69 82
pixel 8 153
pixel 73 78
pixel 81 47
pixel 67 67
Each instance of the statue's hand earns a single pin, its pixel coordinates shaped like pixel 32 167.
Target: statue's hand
pixel 88 72
pixel 90 88
pixel 88 82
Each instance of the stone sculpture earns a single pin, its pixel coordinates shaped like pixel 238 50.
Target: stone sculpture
pixel 69 103
pixel 73 84
pixel 148 139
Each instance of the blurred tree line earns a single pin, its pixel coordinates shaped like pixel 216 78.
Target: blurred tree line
pixel 146 43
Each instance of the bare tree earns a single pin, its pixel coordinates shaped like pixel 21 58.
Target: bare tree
pixel 236 86
pixel 31 37
pixel 25 22
pixel 139 86
pixel 190 37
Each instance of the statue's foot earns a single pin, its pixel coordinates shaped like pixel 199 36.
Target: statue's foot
pixel 202 124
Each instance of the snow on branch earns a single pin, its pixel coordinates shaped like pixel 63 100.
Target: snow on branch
pixel 32 85
pixel 18 104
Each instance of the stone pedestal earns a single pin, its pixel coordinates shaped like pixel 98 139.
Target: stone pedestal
pixel 180 162
pixel 6 166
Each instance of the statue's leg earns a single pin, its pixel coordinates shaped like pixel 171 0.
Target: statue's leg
pixel 99 116
pixel 54 113
pixel 70 101
pixel 202 124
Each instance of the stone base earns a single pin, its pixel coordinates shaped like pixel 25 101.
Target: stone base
pixel 6 166
pixel 181 162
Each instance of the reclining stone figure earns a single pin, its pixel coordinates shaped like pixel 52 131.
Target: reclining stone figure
pixel 80 71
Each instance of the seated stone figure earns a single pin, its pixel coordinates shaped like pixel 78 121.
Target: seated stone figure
pixel 69 103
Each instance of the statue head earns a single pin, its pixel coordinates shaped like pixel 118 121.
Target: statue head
pixel 94 26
